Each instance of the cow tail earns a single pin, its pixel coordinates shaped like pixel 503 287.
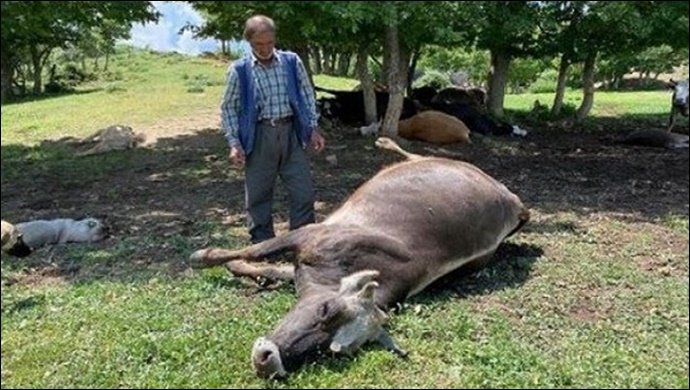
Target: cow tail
pixel 523 218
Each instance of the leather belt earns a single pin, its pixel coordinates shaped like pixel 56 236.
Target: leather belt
pixel 274 122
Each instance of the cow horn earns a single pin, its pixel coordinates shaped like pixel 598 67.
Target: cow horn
pixel 354 283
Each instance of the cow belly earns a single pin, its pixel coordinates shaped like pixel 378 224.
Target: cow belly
pixel 448 267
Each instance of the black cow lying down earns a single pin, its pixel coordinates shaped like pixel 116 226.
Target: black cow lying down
pixel 410 224
pixel 348 106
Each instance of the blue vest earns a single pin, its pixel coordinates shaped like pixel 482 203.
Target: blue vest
pixel 248 101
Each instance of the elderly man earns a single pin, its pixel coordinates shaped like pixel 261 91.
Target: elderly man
pixel 269 117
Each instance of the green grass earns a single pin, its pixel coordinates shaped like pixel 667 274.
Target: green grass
pixel 150 89
pixel 599 321
pixel 147 89
pixel 606 104
pixel 603 303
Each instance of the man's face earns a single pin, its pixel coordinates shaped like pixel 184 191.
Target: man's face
pixel 262 44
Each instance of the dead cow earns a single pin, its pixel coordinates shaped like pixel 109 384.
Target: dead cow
pixel 434 127
pixel 679 101
pixel 412 223
pixel 12 241
pixel 116 137
pixel 654 138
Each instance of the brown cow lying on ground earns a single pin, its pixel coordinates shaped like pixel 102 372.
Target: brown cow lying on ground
pixel 412 223
pixel 434 127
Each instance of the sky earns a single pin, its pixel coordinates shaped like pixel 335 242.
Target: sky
pixel 164 36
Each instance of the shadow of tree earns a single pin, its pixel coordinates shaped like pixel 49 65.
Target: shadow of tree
pixel 52 95
pixel 180 193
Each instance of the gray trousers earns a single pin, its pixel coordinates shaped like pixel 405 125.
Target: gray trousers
pixel 277 153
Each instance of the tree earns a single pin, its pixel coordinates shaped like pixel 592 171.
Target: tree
pixel 31 30
pixel 583 31
pixel 508 30
pixel 342 29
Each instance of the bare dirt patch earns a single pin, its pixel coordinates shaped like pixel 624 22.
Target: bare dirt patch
pixel 178 191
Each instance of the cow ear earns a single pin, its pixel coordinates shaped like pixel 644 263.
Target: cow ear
pixel 352 284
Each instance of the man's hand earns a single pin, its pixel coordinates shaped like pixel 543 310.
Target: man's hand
pixel 237 156
pixel 317 141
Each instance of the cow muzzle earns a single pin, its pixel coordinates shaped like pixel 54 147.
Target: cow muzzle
pixel 266 359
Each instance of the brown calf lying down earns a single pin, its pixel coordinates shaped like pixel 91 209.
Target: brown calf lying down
pixel 434 127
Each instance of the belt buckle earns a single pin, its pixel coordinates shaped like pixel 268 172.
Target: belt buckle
pixel 273 122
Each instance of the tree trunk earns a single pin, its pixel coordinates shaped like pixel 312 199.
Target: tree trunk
pixel 303 53
pixel 318 61
pixel 397 79
pixel 498 76
pixel 588 85
pixel 37 70
pixel 333 63
pixel 107 60
pixel 560 86
pixel 344 64
pixel 223 48
pixel 412 69
pixel 7 72
pixel 327 68
pixel 365 79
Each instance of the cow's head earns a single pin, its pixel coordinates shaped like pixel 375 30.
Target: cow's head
pixel 680 92
pixel 340 319
pixel 12 241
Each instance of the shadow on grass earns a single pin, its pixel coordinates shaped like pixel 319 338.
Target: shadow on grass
pixel 510 267
pixel 52 95
pixel 179 194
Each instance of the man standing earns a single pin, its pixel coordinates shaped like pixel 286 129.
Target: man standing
pixel 268 115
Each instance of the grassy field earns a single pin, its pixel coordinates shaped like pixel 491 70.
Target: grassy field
pixel 592 294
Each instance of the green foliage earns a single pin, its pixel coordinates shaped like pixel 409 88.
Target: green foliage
pixel 198 83
pixel 474 63
pixel 31 30
pixel 433 78
pixel 506 26
pixel 524 72
pixel 546 82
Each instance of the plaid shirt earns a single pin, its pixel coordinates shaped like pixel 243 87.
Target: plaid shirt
pixel 271 93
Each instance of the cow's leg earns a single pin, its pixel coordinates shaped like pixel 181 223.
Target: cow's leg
pixel 263 274
pixel 273 250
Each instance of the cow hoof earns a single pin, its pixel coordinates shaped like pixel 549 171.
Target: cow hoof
pixel 403 354
pixel 198 259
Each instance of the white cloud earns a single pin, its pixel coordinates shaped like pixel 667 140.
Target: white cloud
pixel 164 35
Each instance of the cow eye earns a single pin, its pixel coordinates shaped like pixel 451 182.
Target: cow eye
pixel 92 224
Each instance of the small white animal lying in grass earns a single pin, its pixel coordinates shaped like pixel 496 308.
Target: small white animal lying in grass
pixel 60 231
